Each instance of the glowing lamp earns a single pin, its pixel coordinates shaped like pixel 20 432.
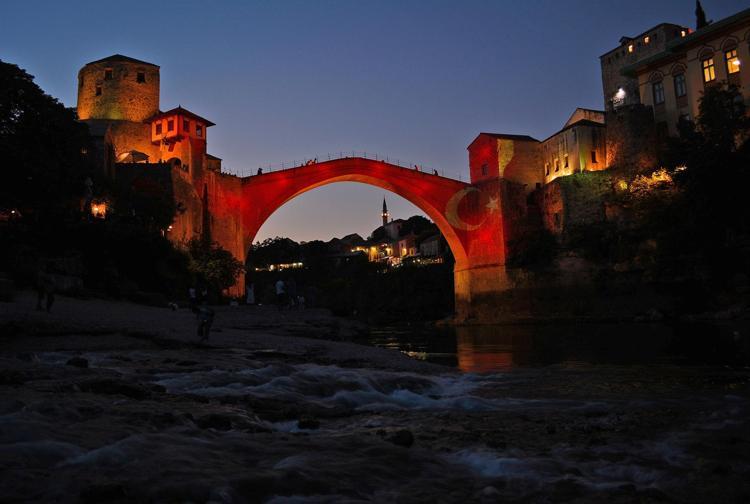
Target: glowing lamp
pixel 99 209
pixel 620 95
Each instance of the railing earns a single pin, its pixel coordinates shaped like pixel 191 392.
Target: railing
pixel 330 156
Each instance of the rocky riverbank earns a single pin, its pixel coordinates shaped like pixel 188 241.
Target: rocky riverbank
pixel 114 402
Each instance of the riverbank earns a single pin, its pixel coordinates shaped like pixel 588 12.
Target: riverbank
pixel 107 401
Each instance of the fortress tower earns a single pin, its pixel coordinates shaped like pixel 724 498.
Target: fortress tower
pixel 118 88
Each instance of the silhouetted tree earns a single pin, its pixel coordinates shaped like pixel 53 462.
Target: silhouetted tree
pixel 43 147
pixel 214 265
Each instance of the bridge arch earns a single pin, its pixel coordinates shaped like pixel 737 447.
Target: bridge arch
pixel 421 202
pixel 470 216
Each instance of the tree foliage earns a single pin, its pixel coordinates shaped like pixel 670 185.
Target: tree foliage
pixel 43 147
pixel 213 265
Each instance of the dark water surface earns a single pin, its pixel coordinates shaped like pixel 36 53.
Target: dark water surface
pixel 501 348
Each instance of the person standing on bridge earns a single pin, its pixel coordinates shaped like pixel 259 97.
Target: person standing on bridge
pixel 260 171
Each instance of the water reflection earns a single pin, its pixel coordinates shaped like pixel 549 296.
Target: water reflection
pixel 482 349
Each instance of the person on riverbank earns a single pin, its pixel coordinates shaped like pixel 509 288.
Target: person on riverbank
pixel 205 318
pixel 193 299
pixel 45 288
pixel 280 293
pixel 250 294
pixel 291 290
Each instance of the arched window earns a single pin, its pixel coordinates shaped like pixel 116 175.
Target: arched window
pixel 708 68
pixel 732 61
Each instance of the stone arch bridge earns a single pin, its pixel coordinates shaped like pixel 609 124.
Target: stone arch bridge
pixel 474 218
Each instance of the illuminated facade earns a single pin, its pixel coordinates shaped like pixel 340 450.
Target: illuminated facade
pixel 579 146
pixel 672 81
pixel 118 97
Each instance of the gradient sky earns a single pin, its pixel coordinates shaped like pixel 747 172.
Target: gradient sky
pixel 286 80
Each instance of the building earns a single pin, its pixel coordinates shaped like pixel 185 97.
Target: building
pixel 515 158
pixel 579 146
pixel 150 151
pixel 622 89
pixel 118 98
pixel 672 81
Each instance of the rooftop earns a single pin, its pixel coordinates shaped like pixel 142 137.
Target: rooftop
pixel 625 39
pixel 677 46
pixel 179 111
pixel 120 57
pixel 523 138
pixel 580 122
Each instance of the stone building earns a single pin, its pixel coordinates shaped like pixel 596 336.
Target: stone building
pixel 579 146
pixel 118 98
pixel 622 89
pixel 515 158
pixel 672 81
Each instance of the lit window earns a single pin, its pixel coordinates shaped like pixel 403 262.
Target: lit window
pixel 98 90
pixel 140 77
pixel 709 71
pixel 630 48
pixel 186 125
pixel 733 62
pixel 680 87
pixel 646 39
pixel 565 159
pixel 593 157
pixel 108 74
pixel 170 125
pixel 158 128
pixel 198 130
pixel 658 93
pixel 683 33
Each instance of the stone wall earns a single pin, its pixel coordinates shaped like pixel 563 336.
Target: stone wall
pixel 632 143
pixel 572 202
pixel 122 97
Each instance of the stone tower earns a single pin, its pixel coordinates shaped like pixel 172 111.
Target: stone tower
pixel 385 213
pixel 118 88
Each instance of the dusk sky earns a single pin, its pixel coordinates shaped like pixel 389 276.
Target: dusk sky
pixel 290 80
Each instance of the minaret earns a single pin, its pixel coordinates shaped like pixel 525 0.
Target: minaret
pixel 385 213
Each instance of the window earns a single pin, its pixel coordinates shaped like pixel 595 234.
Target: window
pixel 198 130
pixel 546 168
pixel 170 125
pixel 658 93
pixel 593 157
pixel 98 90
pixel 680 87
pixel 557 165
pixel 158 128
pixel 140 77
pixel 186 125
pixel 630 48
pixel 709 71
pixel 108 74
pixel 733 62
pixel 646 39
pixel 80 82
pixel 683 33
pixel 685 117
pixel 565 161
